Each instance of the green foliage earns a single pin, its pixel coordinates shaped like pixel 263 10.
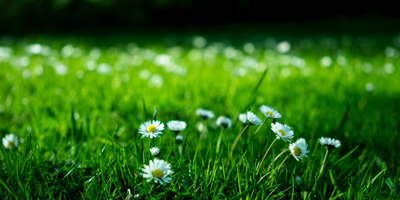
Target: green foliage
pixel 79 130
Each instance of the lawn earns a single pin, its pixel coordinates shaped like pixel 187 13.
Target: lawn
pixel 75 105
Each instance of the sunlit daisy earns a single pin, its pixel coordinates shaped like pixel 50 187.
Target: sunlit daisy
pixel 269 112
pixel 158 170
pixel 155 151
pixel 253 119
pixel 299 149
pixel 205 114
pixel 10 141
pixel 282 131
pixel 176 126
pixel 243 118
pixel 224 122
pixel 151 129
pixel 330 142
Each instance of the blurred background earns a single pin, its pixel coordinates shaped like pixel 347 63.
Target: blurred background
pixel 66 16
pixel 71 70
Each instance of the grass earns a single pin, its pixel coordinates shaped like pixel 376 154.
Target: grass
pixel 79 136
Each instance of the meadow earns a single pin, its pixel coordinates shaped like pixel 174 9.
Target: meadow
pixel 75 105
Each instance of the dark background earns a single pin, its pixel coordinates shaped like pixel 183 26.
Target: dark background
pixel 69 16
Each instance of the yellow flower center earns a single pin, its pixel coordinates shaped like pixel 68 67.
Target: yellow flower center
pixel 11 145
pixel 297 151
pixel 270 113
pixel 151 128
pixel 282 132
pixel 157 173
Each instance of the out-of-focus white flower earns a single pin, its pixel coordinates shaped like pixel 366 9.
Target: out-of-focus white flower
pixel 224 122
pixel 326 61
pixel 179 138
pixel 243 118
pixel 330 142
pixel 283 47
pixel 10 141
pixel 370 87
pixel 253 119
pixel 176 126
pixel 205 114
pixel 155 151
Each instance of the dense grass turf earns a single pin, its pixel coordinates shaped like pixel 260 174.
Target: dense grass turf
pixel 76 110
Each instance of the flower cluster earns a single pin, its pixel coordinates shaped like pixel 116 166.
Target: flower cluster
pixel 158 170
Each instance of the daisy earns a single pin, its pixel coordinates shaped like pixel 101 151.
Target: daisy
pixel 253 119
pixel 151 129
pixel 179 138
pixel 155 151
pixel 269 112
pixel 205 114
pixel 158 170
pixel 330 142
pixel 243 118
pixel 176 126
pixel 299 149
pixel 282 131
pixel 224 122
pixel 10 141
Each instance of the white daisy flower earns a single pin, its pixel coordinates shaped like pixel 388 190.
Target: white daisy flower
pixel 10 141
pixel 158 170
pixel 253 119
pixel 206 114
pixel 224 122
pixel 269 112
pixel 179 138
pixel 243 118
pixel 299 149
pixel 176 126
pixel 151 129
pixel 282 131
pixel 330 142
pixel 130 196
pixel 155 151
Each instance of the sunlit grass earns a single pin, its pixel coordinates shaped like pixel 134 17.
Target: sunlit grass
pixel 76 107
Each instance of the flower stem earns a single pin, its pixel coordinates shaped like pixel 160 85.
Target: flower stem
pixel 320 171
pixel 265 120
pixel 283 162
pixel 265 155
pixel 151 189
pixel 219 139
pixel 245 140
pixel 276 158
pixel 280 167
pixel 237 139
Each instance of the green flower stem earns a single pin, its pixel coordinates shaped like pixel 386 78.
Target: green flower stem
pixel 265 155
pixel 276 158
pixel 283 162
pixel 237 139
pixel 265 120
pixel 320 171
pixel 219 139
pixel 245 140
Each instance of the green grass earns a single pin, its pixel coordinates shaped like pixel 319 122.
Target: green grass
pixel 79 136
